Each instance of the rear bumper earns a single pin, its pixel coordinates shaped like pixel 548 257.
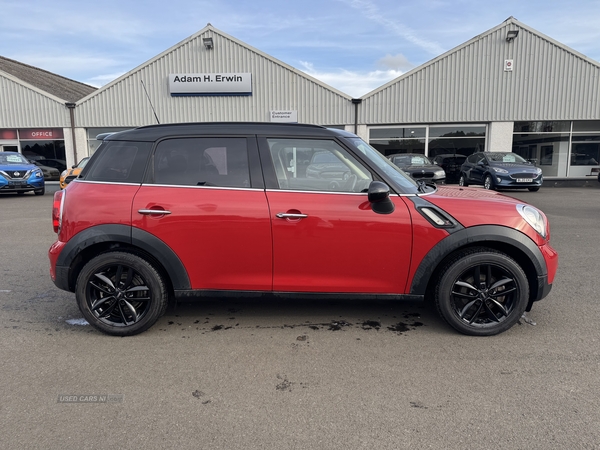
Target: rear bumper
pixel 58 274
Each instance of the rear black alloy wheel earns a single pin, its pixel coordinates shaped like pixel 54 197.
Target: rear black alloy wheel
pixel 121 294
pixel 462 181
pixel 482 292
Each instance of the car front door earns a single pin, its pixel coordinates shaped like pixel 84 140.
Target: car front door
pixel 326 238
pixel 204 201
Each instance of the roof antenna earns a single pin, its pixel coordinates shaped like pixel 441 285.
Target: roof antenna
pixel 150 101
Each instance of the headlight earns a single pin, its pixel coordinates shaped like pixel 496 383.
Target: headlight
pixel 499 170
pixel 538 170
pixel 63 174
pixel 39 174
pixel 534 217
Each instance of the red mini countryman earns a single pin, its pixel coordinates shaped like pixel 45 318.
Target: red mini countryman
pixel 188 210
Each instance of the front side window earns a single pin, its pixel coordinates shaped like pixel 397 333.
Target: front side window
pixel 317 165
pixel 202 161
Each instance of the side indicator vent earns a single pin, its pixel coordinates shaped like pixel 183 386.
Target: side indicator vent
pixel 436 217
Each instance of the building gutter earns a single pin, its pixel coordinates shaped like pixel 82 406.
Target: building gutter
pixel 71 107
pixel 356 102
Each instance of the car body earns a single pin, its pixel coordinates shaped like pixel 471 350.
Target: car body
pixel 50 173
pixel 326 166
pixel 451 163
pixel 418 166
pixel 500 170
pixel 59 164
pixel 18 174
pixel 70 174
pixel 186 211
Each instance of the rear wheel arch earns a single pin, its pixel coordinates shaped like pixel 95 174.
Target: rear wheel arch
pixel 105 238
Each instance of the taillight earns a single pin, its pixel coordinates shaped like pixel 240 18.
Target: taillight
pixel 57 210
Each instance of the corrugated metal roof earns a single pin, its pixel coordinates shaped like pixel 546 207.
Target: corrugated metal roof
pixel 61 87
pixel 548 81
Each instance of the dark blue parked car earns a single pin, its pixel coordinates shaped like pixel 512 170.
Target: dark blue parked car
pixel 18 175
pixel 500 170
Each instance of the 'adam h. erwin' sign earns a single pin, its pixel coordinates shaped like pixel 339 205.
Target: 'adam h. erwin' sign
pixel 210 84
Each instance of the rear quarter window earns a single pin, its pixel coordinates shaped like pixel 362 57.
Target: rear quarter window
pixel 118 162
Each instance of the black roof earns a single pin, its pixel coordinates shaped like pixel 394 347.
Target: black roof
pixel 153 132
pixel 61 87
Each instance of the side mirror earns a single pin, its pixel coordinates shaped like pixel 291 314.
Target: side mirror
pixel 379 197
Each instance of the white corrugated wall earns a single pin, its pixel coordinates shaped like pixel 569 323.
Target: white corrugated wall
pixel 275 86
pixel 469 84
pixel 26 107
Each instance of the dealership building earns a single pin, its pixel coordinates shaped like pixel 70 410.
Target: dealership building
pixel 509 89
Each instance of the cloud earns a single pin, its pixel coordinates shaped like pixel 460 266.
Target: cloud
pixel 370 11
pixel 396 62
pixel 353 83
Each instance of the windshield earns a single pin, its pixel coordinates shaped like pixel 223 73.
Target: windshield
pixel 403 181
pixel 411 160
pixel 12 158
pixel 325 157
pixel 506 158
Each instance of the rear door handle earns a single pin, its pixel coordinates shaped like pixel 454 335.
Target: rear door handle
pixel 291 216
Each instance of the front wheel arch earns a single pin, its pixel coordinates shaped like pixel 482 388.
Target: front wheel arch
pixel 507 240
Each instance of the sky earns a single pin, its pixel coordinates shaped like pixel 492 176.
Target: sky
pixel 354 46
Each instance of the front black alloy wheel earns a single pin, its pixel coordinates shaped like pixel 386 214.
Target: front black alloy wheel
pixel 462 181
pixel 482 292
pixel 121 294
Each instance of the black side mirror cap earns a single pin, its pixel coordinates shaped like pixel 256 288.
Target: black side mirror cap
pixel 379 197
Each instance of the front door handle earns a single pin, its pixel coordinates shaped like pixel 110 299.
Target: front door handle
pixel 291 216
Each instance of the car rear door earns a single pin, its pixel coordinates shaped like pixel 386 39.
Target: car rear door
pixel 203 198
pixel 326 238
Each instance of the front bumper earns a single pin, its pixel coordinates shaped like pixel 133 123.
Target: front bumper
pixel 21 185
pixel 508 182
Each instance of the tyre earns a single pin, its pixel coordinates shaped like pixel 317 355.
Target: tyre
pixel 462 181
pixel 488 182
pixel 41 191
pixel 120 294
pixel 534 189
pixel 481 292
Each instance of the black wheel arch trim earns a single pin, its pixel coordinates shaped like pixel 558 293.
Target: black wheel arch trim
pixel 121 234
pixel 481 235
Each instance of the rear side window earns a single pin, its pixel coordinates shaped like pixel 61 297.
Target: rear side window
pixel 118 161
pixel 202 162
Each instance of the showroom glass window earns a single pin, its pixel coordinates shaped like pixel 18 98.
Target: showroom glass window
pixel 430 140
pixel 455 140
pixel 585 148
pixel 546 143
pixel 392 140
pixel 93 143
